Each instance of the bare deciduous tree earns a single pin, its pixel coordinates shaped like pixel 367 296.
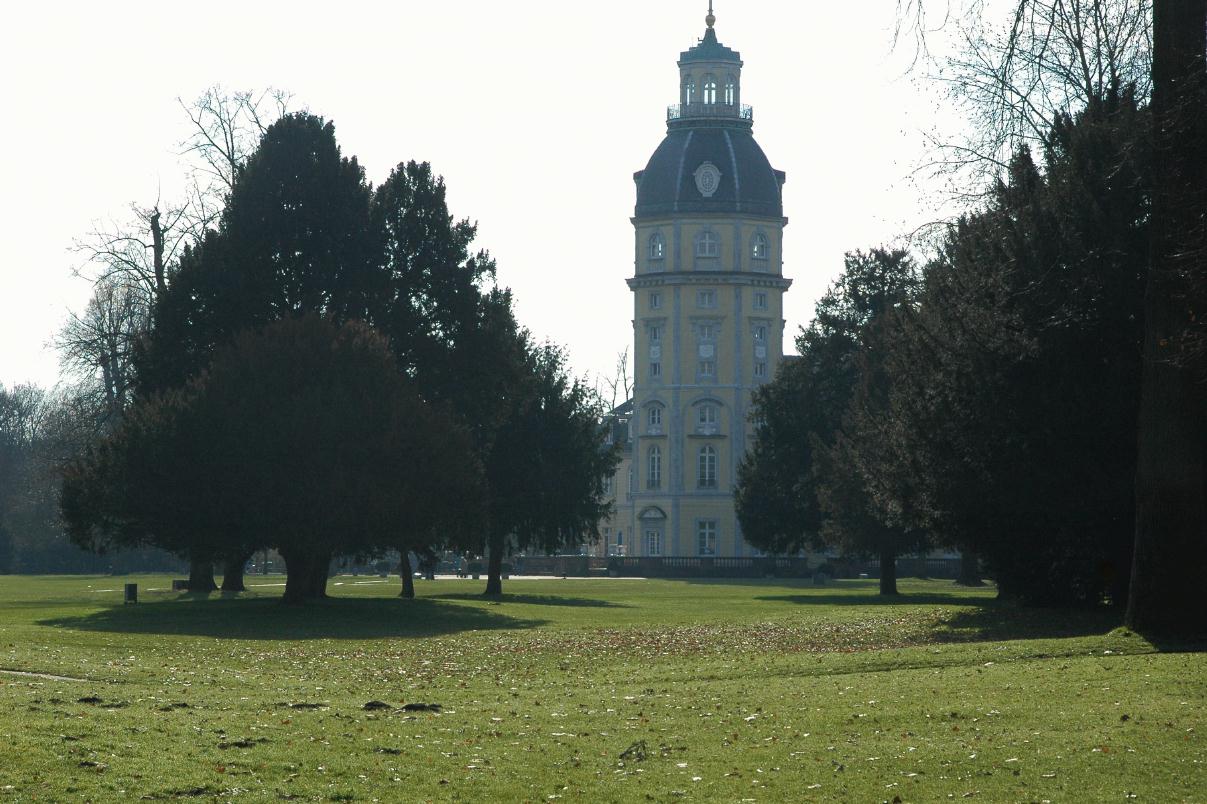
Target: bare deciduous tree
pixel 97 345
pixel 227 127
pixel 1012 78
pixel 618 388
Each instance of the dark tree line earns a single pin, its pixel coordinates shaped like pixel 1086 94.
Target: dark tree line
pixel 328 373
pixel 989 401
pixel 1171 477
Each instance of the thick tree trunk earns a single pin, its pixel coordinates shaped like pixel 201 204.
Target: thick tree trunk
pixel 232 572
pixel 494 569
pixel 408 575
pixel 888 570
pixel 970 569
pixel 201 576
pixel 305 576
pixel 1171 511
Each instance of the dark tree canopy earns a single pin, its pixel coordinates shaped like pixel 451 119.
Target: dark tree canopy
pixel 1013 380
pixel 544 455
pixel 798 485
pixel 303 234
pixel 303 437
pixel 294 238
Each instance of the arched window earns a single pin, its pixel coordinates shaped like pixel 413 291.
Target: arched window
pixel 731 91
pixel 657 246
pixel 689 91
pixel 708 244
pixel 758 247
pixel 653 478
pixel 706 414
pixel 655 417
pixel 706 476
pixel 710 90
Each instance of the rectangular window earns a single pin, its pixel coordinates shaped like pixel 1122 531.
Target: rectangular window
pixel 655 369
pixel 760 333
pixel 708 368
pixel 607 486
pixel 760 301
pixel 653 478
pixel 655 334
pixel 655 416
pixel 653 543
pixel 706 477
pixel 706 537
pixel 655 301
pixel 706 298
pixel 707 332
pixel 760 369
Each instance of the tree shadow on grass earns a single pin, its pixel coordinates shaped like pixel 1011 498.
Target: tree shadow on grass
pixel 955 598
pixel 997 621
pixel 982 619
pixel 533 600
pixel 267 618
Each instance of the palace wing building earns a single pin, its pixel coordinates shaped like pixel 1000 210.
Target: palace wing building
pixel 708 323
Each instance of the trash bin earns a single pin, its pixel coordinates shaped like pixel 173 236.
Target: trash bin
pixel 131 593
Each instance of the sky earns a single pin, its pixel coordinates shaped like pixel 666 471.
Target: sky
pixel 536 112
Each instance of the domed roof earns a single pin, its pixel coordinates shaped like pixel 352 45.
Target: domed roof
pixel 678 179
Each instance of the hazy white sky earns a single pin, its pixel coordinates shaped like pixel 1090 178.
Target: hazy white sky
pixel 537 113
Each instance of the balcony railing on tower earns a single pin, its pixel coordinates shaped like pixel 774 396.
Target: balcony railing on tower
pixel 686 110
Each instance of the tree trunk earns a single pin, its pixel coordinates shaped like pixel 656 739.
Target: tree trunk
pixel 157 249
pixel 970 569
pixel 494 568
pixel 305 576
pixel 1171 512
pixel 232 572
pixel 408 575
pixel 888 570
pixel 201 576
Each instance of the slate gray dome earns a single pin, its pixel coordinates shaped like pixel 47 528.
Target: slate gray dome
pixel 748 184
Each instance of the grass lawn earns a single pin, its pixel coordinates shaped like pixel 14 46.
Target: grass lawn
pixel 591 690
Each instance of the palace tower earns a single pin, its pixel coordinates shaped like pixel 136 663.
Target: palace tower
pixel 707 288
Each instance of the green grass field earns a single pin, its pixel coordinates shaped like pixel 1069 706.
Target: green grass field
pixel 592 690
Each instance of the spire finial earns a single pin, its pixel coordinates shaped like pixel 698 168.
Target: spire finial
pixel 711 19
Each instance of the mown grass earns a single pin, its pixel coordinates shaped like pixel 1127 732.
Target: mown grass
pixel 600 690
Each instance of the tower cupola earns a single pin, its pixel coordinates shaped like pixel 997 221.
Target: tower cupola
pixel 710 81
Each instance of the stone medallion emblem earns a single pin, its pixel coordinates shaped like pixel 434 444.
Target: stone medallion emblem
pixel 708 178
